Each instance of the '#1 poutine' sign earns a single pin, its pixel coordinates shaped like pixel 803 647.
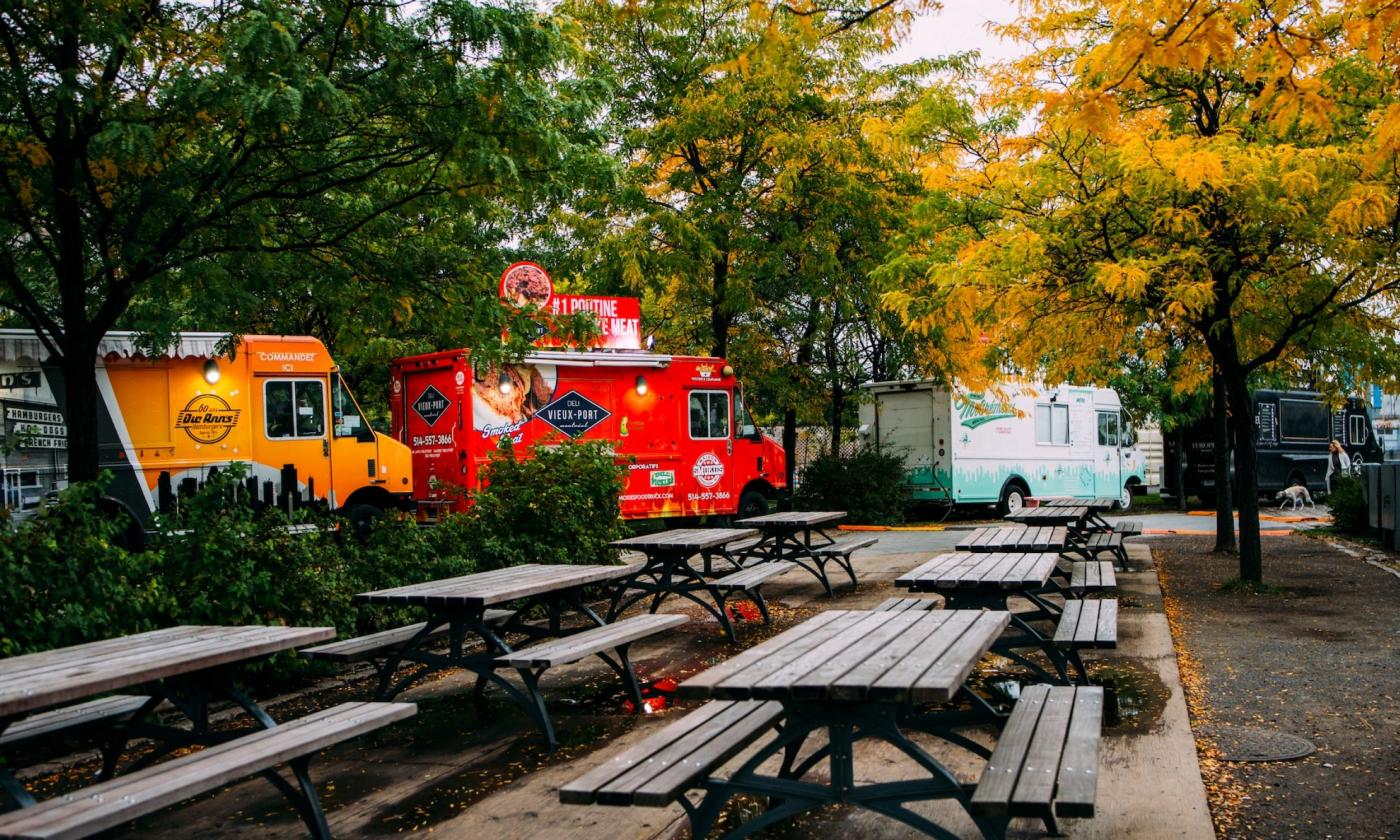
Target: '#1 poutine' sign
pixel 619 318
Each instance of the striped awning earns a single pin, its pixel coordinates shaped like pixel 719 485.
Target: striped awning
pixel 24 345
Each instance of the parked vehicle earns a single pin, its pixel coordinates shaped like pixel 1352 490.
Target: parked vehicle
pixel 1293 428
pixel 166 422
pixel 678 424
pixel 968 448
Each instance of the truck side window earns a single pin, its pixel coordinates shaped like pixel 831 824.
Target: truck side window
pixel 709 415
pixel 1108 429
pixel 294 408
pixel 345 414
pixel 1357 432
pixel 1051 423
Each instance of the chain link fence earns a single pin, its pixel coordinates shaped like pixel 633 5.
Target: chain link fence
pixel 812 443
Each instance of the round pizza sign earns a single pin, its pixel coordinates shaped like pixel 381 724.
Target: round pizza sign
pixel 708 470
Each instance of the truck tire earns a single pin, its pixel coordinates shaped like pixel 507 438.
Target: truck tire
pixel 752 503
pixel 361 518
pixel 1125 498
pixel 1013 497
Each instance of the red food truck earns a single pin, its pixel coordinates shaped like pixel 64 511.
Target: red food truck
pixel 678 424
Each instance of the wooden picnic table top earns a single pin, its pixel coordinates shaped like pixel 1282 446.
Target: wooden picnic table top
pixel 684 539
pixel 1099 504
pixel 498 586
pixel 986 570
pixel 39 680
pixel 1015 538
pixel 793 519
pixel 844 656
pixel 1057 515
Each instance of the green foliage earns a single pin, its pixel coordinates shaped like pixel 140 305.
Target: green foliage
pixel 63 581
pixel 1350 513
pixel 869 486
pixel 557 506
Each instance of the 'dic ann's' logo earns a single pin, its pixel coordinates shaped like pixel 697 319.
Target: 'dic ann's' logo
pixel 207 419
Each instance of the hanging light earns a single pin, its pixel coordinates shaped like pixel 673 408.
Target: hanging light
pixel 211 371
pixel 641 386
pixel 505 384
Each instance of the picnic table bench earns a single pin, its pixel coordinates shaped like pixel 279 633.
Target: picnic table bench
pixel 968 580
pixel 462 606
pixel 798 537
pixel 190 667
pixel 667 572
pixel 853 676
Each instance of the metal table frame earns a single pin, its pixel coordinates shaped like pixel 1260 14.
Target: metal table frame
pixel 667 572
pixel 791 537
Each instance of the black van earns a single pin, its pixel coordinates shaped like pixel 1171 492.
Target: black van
pixel 1293 428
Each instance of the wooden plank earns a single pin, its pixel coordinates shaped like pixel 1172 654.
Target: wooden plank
pixel 856 684
pixel 778 682
pixel 1079 765
pixel 753 575
pixel 1068 626
pixel 14 667
pixel 114 802
pixel 1107 633
pixel 897 680
pixel 576 646
pixel 585 789
pixel 1086 632
pixel 816 683
pixel 946 675
pixel 701 685
pixel 1035 789
pixel 1003 771
pixel 70 717
pixel 698 754
pixel 76 678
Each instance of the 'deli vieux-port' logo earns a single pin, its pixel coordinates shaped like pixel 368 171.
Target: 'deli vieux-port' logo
pixel 207 418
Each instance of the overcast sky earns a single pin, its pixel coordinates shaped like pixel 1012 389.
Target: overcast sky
pixel 959 26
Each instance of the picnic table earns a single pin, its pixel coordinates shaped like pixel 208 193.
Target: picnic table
pixel 667 571
pixel 190 666
pixel 799 537
pixel 851 676
pixel 969 580
pixel 461 605
pixel 1070 516
pixel 1094 521
pixel 1018 538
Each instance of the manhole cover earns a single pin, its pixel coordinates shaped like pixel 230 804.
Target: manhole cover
pixel 1247 743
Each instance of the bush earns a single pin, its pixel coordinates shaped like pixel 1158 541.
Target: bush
pixel 558 506
pixel 1348 502
pixel 64 582
pixel 869 486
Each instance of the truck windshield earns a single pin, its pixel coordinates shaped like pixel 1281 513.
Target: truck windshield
pixel 349 420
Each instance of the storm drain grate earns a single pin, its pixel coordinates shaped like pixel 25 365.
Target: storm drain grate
pixel 1249 743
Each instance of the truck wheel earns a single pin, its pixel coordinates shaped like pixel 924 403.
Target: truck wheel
pixel 752 503
pixel 1125 498
pixel 1013 498
pixel 361 519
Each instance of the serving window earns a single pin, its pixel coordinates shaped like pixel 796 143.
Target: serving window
pixel 709 415
pixel 294 408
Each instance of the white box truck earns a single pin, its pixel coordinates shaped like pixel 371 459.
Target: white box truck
pixel 1032 441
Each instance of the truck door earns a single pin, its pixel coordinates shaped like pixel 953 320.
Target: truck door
pixel 354 447
pixel 432 421
pixel 708 465
pixel 294 425
pixel 1108 460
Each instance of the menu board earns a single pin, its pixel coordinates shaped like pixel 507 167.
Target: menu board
pixel 1266 421
pixel 1339 426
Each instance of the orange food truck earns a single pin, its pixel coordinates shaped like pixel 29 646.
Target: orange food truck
pixel 166 422
pixel 678 424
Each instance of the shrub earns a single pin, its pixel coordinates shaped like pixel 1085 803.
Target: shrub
pixel 867 485
pixel 557 506
pixel 64 582
pixel 1349 508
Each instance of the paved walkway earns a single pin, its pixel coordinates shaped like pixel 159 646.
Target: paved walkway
pixel 464 775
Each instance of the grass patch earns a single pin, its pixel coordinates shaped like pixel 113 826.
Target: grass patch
pixel 1240 586
pixel 1332 532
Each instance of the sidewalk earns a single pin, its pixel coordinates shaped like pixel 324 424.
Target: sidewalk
pixel 461 775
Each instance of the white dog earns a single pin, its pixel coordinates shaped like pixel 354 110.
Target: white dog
pixel 1297 494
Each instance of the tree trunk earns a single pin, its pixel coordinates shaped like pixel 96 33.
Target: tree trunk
pixel 720 318
pixel 1224 509
pixel 1247 484
pixel 80 392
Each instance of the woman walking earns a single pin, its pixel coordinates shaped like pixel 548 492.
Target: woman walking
pixel 1337 462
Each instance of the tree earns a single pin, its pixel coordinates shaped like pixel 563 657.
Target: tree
pixel 1218 170
pixel 163 153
